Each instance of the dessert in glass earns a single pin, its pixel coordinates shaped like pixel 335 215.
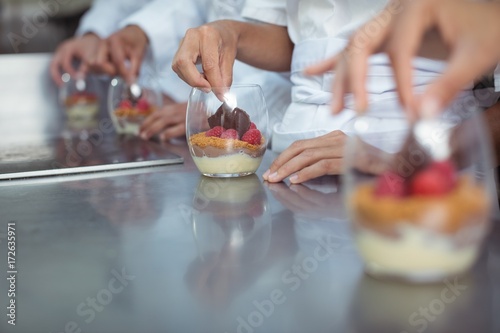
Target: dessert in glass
pixel 79 99
pixel 127 112
pixel 227 134
pixel 417 194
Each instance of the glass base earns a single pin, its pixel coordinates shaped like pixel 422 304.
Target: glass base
pixel 227 175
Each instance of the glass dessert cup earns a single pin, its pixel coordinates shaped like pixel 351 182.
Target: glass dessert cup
pixel 417 194
pixel 79 99
pixel 227 134
pixel 128 114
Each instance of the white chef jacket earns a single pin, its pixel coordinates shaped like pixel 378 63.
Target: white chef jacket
pixel 320 29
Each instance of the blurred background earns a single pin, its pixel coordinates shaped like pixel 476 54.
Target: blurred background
pixel 30 26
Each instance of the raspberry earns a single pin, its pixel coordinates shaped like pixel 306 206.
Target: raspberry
pixel 252 126
pixel 229 134
pixel 252 136
pixel 390 184
pixel 143 105
pixel 216 131
pixel 125 104
pixel 436 179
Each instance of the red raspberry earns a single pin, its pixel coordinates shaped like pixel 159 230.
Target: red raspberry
pixel 252 126
pixel 216 131
pixel 252 136
pixel 229 134
pixel 390 184
pixel 126 104
pixel 436 179
pixel 143 105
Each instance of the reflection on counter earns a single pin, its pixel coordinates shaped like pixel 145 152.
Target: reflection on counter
pixel 388 306
pixel 231 225
pixel 319 198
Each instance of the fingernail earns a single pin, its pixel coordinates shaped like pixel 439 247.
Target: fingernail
pixel 429 108
pixel 266 174
pixel 273 176
pixel 206 90
pixel 294 179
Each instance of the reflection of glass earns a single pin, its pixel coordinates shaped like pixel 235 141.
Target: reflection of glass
pixel 232 213
pixel 425 213
pixel 128 114
pixel 80 100
pixel 231 224
pixel 227 139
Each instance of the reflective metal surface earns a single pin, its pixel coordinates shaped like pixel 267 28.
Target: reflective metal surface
pixel 167 250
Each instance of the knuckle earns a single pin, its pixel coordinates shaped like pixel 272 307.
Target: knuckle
pixel 327 166
pixel 297 145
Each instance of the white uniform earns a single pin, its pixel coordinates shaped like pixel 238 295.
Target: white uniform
pixel 320 29
pixel 165 23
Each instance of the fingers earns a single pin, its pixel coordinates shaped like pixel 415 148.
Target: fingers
pixel 403 46
pixel 167 123
pixel 227 64
pixel 135 64
pixel 184 63
pixel 100 63
pixel 210 60
pixel 173 132
pixel 323 66
pixel 55 72
pixel 339 85
pixel 303 154
pixel 321 168
pixel 119 58
pixel 66 62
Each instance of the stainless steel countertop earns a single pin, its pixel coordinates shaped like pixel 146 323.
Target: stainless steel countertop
pixel 164 249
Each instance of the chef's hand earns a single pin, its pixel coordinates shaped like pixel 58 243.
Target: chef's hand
pixel 169 122
pixel 470 30
pixel 215 44
pixel 308 159
pixel 79 48
pixel 126 49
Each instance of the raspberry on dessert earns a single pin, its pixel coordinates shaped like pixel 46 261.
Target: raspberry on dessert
pixel 252 126
pixel 126 104
pixel 216 131
pixel 390 184
pixel 436 179
pixel 252 136
pixel 229 134
pixel 143 105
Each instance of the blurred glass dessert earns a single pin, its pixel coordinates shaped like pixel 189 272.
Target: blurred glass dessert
pixel 128 111
pixel 423 217
pixel 130 115
pixel 79 99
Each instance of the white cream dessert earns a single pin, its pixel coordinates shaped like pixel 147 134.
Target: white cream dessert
pixel 421 229
pixel 81 106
